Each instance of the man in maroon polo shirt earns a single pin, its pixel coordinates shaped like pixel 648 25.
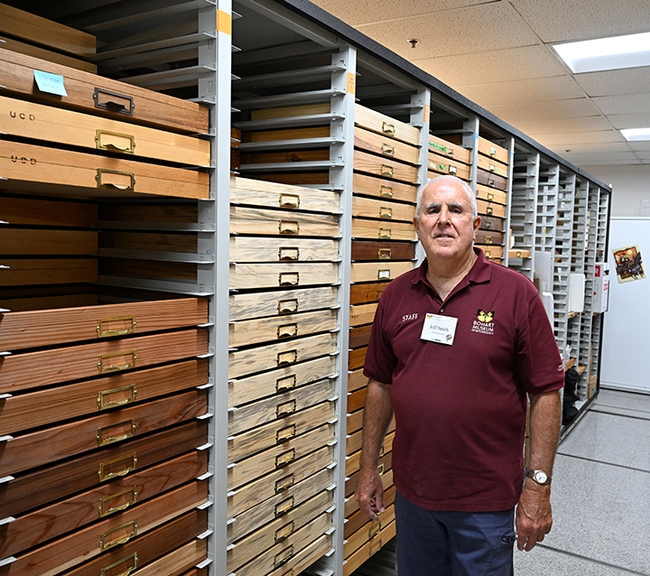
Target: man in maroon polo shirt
pixel 457 347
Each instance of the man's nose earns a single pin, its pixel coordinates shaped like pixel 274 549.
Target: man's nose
pixel 443 216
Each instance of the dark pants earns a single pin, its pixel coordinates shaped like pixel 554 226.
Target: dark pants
pixel 453 543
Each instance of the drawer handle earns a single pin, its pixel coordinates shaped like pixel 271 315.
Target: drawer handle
pixel 287 330
pixel 374 530
pixel 452 169
pixel 284 506
pixel 386 191
pixel 385 212
pixel 105 332
pixel 289 278
pixel 518 254
pixel 387 149
pixel 285 253
pixel 287 227
pixel 288 357
pixel 283 557
pixel 383 274
pixel 487 223
pixel 386 170
pixel 490 196
pixel 382 451
pixel 105 468
pixel 116 367
pixel 492 168
pixel 103 440
pixel 115 179
pixel 285 434
pixel 378 294
pixel 284 483
pixel 384 253
pixel 286 383
pixel 449 152
pixel 491 182
pixel 385 233
pixel 285 409
pixel 285 531
pixel 387 128
pixel 289 201
pixel 114 102
pixel 105 510
pixel 285 458
pixel 488 253
pixel 130 529
pixel 288 306
pixel 114 141
pixel 488 239
pixel 375 548
pixel 493 151
pixel 489 210
pixel 132 558
pixel 116 397
pixel 380 469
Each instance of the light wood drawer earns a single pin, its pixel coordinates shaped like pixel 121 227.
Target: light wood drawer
pixel 442 165
pixel 31 242
pixel 290 111
pixel 44 271
pixel 357 357
pixel 384 465
pixel 356 380
pixel 492 165
pixel 515 253
pixel 491 194
pixel 243 276
pixel 373 230
pixel 278 481
pixel 386 147
pixel 278 457
pixel 369 549
pixel 382 209
pixel 491 179
pixel 385 168
pixel 451 151
pixel 241 391
pixel 280 355
pixel 352 461
pixel 38 167
pixel 363 293
pixel 356 399
pixel 49 55
pixel 261 249
pixel 354 421
pixel 243 306
pixel 492 150
pixel 278 406
pixel 385 189
pixel 36 328
pixel 245 220
pixel 491 252
pixel 373 271
pixel 374 250
pixel 385 125
pixel 368 532
pixel 488 237
pixel 362 314
pixel 490 208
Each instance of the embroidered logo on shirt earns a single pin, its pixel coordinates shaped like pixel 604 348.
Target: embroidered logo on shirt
pixel 408 317
pixel 484 323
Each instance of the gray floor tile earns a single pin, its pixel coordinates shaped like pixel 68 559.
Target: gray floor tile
pixel 615 398
pixel 542 561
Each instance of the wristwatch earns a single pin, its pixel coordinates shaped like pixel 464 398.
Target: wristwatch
pixel 539 476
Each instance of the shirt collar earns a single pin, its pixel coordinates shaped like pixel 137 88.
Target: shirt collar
pixel 480 272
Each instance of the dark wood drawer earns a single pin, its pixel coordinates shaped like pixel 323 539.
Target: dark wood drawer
pixel 492 180
pixel 489 237
pixel 492 223
pixel 359 336
pixel 371 250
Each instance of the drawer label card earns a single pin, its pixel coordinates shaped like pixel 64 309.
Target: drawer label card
pixel 50 83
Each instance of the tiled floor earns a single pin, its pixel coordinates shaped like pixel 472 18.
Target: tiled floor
pixel 601 495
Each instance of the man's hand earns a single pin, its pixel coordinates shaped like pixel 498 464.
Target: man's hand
pixel 370 493
pixel 534 518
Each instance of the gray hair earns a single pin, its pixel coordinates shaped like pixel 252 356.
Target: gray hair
pixel 447 179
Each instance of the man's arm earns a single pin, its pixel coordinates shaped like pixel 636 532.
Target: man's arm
pixel 377 414
pixel 534 517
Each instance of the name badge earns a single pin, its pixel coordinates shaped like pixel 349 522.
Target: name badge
pixel 440 329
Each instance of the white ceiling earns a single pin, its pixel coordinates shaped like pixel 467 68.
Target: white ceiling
pixel 497 53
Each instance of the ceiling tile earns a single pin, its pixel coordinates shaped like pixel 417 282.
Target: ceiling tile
pixel 591 159
pixel 615 82
pixel 623 104
pixel 542 110
pixel 569 140
pixel 635 120
pixel 563 125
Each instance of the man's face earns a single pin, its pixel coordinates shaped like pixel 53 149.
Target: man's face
pixel 445 225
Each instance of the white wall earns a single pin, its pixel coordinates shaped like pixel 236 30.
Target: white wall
pixel 630 188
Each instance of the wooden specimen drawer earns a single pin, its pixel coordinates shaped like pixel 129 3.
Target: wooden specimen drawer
pixel 278 406
pixel 278 431
pixel 245 220
pixel 28 491
pixel 23 210
pixel 491 194
pixel 382 209
pixel 60 126
pixel 278 481
pixel 357 357
pixel 103 96
pixel 492 150
pixel 492 223
pixel 385 146
pixel 356 399
pixel 45 54
pixel 266 548
pixel 68 551
pixel 360 335
pixel 491 252
pixel 368 531
pixel 44 524
pixel 384 167
pixel 490 208
pixel 384 465
pixel 243 306
pixel 294 178
pixel 264 249
pixel 243 276
pixel 493 166
pixel 52 366
pixel 39 271
pixel 293 157
pixel 363 293
pixel 515 253
pixel 369 549
pixel 489 237
pixel 282 354
pixel 286 134
pixel 373 250
pixel 359 519
pixel 34 242
pixel 47 327
pixel 291 111
pixel 282 380
pixel 351 505
pixel 441 147
pixel 28 166
pixel 272 195
pixel 380 188
pixel 385 125
pixel 441 165
pixel 178 561
pixel 374 230
pixel 356 381
pixel 70 439
pixel 354 421
pixel 492 180
pixel 279 456
pixel 373 271
pixel 362 314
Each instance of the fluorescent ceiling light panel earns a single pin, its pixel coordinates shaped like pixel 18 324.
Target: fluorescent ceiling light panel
pixel 629 51
pixel 635 134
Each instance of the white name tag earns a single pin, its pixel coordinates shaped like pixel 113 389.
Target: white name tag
pixel 441 329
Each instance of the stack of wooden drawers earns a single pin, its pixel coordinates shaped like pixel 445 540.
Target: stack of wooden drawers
pixel 103 400
pixel 383 247
pixel 448 158
pixel 284 317
pixel 492 198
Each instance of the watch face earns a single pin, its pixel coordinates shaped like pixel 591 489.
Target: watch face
pixel 540 476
